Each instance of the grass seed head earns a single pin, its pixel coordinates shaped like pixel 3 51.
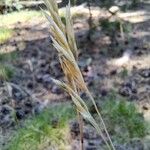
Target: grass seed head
pixel 65 44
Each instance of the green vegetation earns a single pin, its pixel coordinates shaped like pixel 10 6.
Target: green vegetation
pixel 5 34
pixel 6 72
pixel 9 5
pixel 14 17
pixel 115 26
pixel 45 130
pixel 124 72
pixel 130 5
pixel 123 120
pixel 107 3
pixel 6 57
pixel 110 26
pixel 50 128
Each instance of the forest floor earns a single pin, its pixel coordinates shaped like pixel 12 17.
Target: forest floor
pixel 115 67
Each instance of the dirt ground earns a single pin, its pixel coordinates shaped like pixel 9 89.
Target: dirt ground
pixel 123 67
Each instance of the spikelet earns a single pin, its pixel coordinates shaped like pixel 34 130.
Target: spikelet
pixel 70 32
pixel 66 56
pixel 82 108
pixel 53 9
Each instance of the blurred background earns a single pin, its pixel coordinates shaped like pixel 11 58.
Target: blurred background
pixel 114 57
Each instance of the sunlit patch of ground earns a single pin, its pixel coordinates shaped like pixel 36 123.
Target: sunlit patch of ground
pixel 136 16
pixel 128 62
pixel 22 16
pixel 82 12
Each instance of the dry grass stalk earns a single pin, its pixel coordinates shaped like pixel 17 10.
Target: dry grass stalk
pixel 64 41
